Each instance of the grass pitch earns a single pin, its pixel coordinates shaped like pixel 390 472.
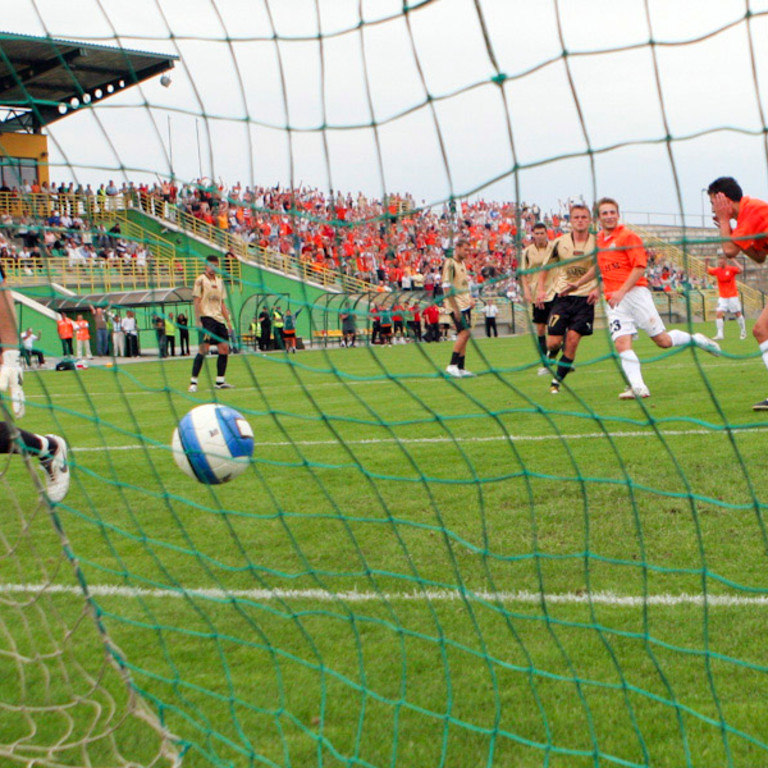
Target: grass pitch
pixel 415 570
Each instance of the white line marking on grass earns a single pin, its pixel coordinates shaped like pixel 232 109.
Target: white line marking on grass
pixel 444 595
pixel 485 439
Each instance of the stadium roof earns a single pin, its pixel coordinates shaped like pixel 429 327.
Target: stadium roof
pixel 127 299
pixel 43 79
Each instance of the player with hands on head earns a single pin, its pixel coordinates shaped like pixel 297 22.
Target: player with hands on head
pixel 750 237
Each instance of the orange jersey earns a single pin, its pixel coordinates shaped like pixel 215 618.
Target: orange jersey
pixel 83 331
pixel 618 254
pixel 726 281
pixel 65 328
pixel 752 221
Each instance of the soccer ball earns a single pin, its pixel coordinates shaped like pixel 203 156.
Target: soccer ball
pixel 213 443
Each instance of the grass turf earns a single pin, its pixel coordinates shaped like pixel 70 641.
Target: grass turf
pixel 375 474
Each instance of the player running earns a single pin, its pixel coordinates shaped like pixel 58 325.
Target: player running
pixel 573 311
pixel 621 259
pixel 727 294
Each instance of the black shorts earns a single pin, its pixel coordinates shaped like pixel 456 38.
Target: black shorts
pixel 463 321
pixel 214 332
pixel 398 325
pixel 542 315
pixel 572 313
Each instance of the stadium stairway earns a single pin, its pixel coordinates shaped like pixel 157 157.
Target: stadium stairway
pixel 687 248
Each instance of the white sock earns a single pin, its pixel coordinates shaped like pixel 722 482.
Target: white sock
pixel 720 324
pixel 742 324
pixel 764 352
pixel 630 363
pixel 679 338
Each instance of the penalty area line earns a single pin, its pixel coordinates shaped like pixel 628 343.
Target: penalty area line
pixel 418 596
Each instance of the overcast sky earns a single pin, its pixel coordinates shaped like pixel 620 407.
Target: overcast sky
pixel 252 69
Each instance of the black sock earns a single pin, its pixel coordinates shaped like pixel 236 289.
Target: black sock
pixel 197 365
pixel 563 368
pixel 543 345
pixel 221 366
pixel 454 358
pixel 34 444
pixel 462 358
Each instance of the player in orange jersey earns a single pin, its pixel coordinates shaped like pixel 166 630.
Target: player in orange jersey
pixel 750 237
pixel 621 259
pixel 728 294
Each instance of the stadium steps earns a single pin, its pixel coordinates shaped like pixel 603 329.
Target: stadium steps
pixel 266 258
pixel 687 248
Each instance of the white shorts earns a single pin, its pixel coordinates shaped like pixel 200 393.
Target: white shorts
pixel 635 311
pixel 731 304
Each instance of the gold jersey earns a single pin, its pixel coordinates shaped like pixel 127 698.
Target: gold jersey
pixel 564 249
pixel 212 293
pixel 532 258
pixel 455 275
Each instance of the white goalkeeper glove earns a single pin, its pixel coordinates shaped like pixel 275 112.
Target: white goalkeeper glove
pixel 11 380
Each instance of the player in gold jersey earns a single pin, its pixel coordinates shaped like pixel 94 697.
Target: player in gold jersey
pixel 532 259
pixel 211 314
pixel 459 302
pixel 573 312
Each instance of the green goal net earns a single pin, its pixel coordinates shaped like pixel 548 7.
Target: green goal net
pixel 414 569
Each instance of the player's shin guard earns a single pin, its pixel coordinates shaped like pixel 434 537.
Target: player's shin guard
pixel 630 364
pixel 720 325
pixel 564 367
pixel 197 365
pixel 221 367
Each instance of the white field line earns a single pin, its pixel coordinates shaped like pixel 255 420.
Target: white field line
pixel 445 596
pixel 486 439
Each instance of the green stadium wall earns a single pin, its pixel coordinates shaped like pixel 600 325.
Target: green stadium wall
pixel 254 281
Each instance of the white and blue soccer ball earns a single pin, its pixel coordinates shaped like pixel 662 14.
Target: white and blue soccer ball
pixel 213 443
